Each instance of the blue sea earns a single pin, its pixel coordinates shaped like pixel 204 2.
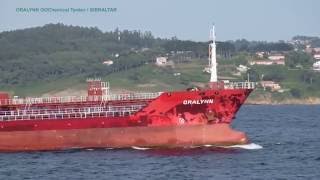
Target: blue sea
pixel 285 144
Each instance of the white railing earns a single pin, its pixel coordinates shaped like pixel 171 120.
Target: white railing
pixel 239 85
pixel 84 112
pixel 79 99
pixel 132 96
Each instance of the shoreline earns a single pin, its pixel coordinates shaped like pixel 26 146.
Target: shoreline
pixel 302 101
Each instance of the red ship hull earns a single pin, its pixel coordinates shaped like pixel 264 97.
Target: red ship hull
pixel 173 119
pixel 168 136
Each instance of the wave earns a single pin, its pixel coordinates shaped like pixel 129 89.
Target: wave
pixel 251 146
pixel 140 148
pixel 208 145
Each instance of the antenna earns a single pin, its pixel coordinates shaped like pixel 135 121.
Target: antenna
pixel 212 56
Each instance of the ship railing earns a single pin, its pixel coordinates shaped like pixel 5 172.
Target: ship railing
pixel 79 99
pixel 239 85
pixel 131 96
pixel 71 110
pixel 40 100
pixel 110 111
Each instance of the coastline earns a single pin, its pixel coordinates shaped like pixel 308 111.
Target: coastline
pixel 292 101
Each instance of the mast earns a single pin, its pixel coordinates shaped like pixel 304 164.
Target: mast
pixel 212 57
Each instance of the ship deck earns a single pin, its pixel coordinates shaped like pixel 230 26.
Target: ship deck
pixel 117 105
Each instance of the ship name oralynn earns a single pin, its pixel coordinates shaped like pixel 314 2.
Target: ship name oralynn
pixel 199 101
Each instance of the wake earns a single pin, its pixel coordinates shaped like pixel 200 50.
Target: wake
pixel 251 146
pixel 140 148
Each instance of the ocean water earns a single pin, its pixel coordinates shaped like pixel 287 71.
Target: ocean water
pixel 285 144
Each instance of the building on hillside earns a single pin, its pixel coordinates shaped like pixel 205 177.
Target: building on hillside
pixel 161 61
pixel 308 49
pixel 316 50
pixel 107 62
pixel 207 70
pixel 268 62
pixel 145 49
pixel 261 54
pixel 279 62
pixel 300 41
pixel 261 62
pixel 316 56
pixel 316 66
pixel 276 57
pixel 270 84
pixel 242 69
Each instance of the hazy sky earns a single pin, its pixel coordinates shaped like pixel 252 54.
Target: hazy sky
pixel 234 19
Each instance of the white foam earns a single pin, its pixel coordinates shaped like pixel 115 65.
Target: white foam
pixel 207 145
pixel 140 148
pixel 251 146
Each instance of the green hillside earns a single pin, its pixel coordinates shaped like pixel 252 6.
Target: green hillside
pixel 57 57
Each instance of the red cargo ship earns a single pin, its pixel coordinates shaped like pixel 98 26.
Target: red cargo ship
pixel 102 120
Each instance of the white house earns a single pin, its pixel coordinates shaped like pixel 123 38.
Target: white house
pixel 161 61
pixel 261 62
pixel 316 56
pixel 260 54
pixel 270 84
pixel 316 66
pixel 108 62
pixel 279 62
pixel 308 49
pixel 316 50
pixel 241 68
pixel 276 57
pixel 268 62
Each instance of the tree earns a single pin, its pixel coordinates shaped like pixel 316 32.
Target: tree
pixel 225 49
pixel 308 77
pixel 296 58
pixel 253 75
pixel 242 58
pixel 275 73
pixel 295 93
pixel 242 45
pixel 268 47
